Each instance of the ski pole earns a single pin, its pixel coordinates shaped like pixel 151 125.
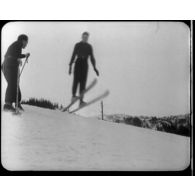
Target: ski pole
pixel 26 61
pixel 17 90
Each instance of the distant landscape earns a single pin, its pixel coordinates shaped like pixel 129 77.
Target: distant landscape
pixel 43 103
pixel 179 124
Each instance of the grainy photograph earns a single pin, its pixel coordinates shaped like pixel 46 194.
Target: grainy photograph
pixel 95 96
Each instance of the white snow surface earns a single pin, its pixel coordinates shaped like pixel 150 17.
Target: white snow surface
pixel 43 139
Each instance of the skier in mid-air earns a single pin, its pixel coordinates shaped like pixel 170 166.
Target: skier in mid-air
pixel 82 50
pixel 10 66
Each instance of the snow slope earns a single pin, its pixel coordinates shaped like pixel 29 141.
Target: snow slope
pixel 43 139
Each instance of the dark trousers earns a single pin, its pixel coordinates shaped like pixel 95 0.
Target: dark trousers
pixel 80 76
pixel 11 74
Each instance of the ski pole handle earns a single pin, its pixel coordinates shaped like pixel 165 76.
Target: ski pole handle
pixel 27 56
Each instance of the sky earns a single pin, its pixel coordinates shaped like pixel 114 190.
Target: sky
pixel 144 65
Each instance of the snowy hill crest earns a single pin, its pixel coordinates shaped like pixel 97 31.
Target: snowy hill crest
pixel 42 139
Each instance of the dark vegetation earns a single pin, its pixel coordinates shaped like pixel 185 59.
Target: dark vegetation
pixel 180 124
pixel 42 103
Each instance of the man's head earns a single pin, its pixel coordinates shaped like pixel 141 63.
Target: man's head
pixel 85 37
pixel 23 39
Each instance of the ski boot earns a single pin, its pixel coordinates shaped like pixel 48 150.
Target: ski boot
pixel 82 103
pixel 74 98
pixel 8 108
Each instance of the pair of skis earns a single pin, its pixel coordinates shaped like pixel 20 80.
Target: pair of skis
pixel 91 85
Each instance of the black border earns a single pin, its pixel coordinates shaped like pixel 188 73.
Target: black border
pixel 186 172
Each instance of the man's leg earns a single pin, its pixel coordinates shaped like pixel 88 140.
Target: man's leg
pixel 10 95
pixel 83 81
pixel 11 78
pixel 75 84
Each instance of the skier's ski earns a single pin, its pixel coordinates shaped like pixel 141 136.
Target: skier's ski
pixel 103 95
pixel 93 83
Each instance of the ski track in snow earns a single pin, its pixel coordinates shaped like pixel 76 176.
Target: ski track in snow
pixel 43 139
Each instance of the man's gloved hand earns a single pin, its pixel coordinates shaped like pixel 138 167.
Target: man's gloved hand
pixel 70 71
pixel 27 55
pixel 96 71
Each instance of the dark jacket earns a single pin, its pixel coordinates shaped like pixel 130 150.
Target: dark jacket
pixel 83 50
pixel 14 52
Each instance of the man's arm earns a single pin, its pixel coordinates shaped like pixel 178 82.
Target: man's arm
pixel 15 51
pixel 21 55
pixel 72 59
pixel 92 58
pixel 73 55
pixel 93 62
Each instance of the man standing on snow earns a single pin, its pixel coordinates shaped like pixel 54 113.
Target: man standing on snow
pixel 10 67
pixel 82 50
